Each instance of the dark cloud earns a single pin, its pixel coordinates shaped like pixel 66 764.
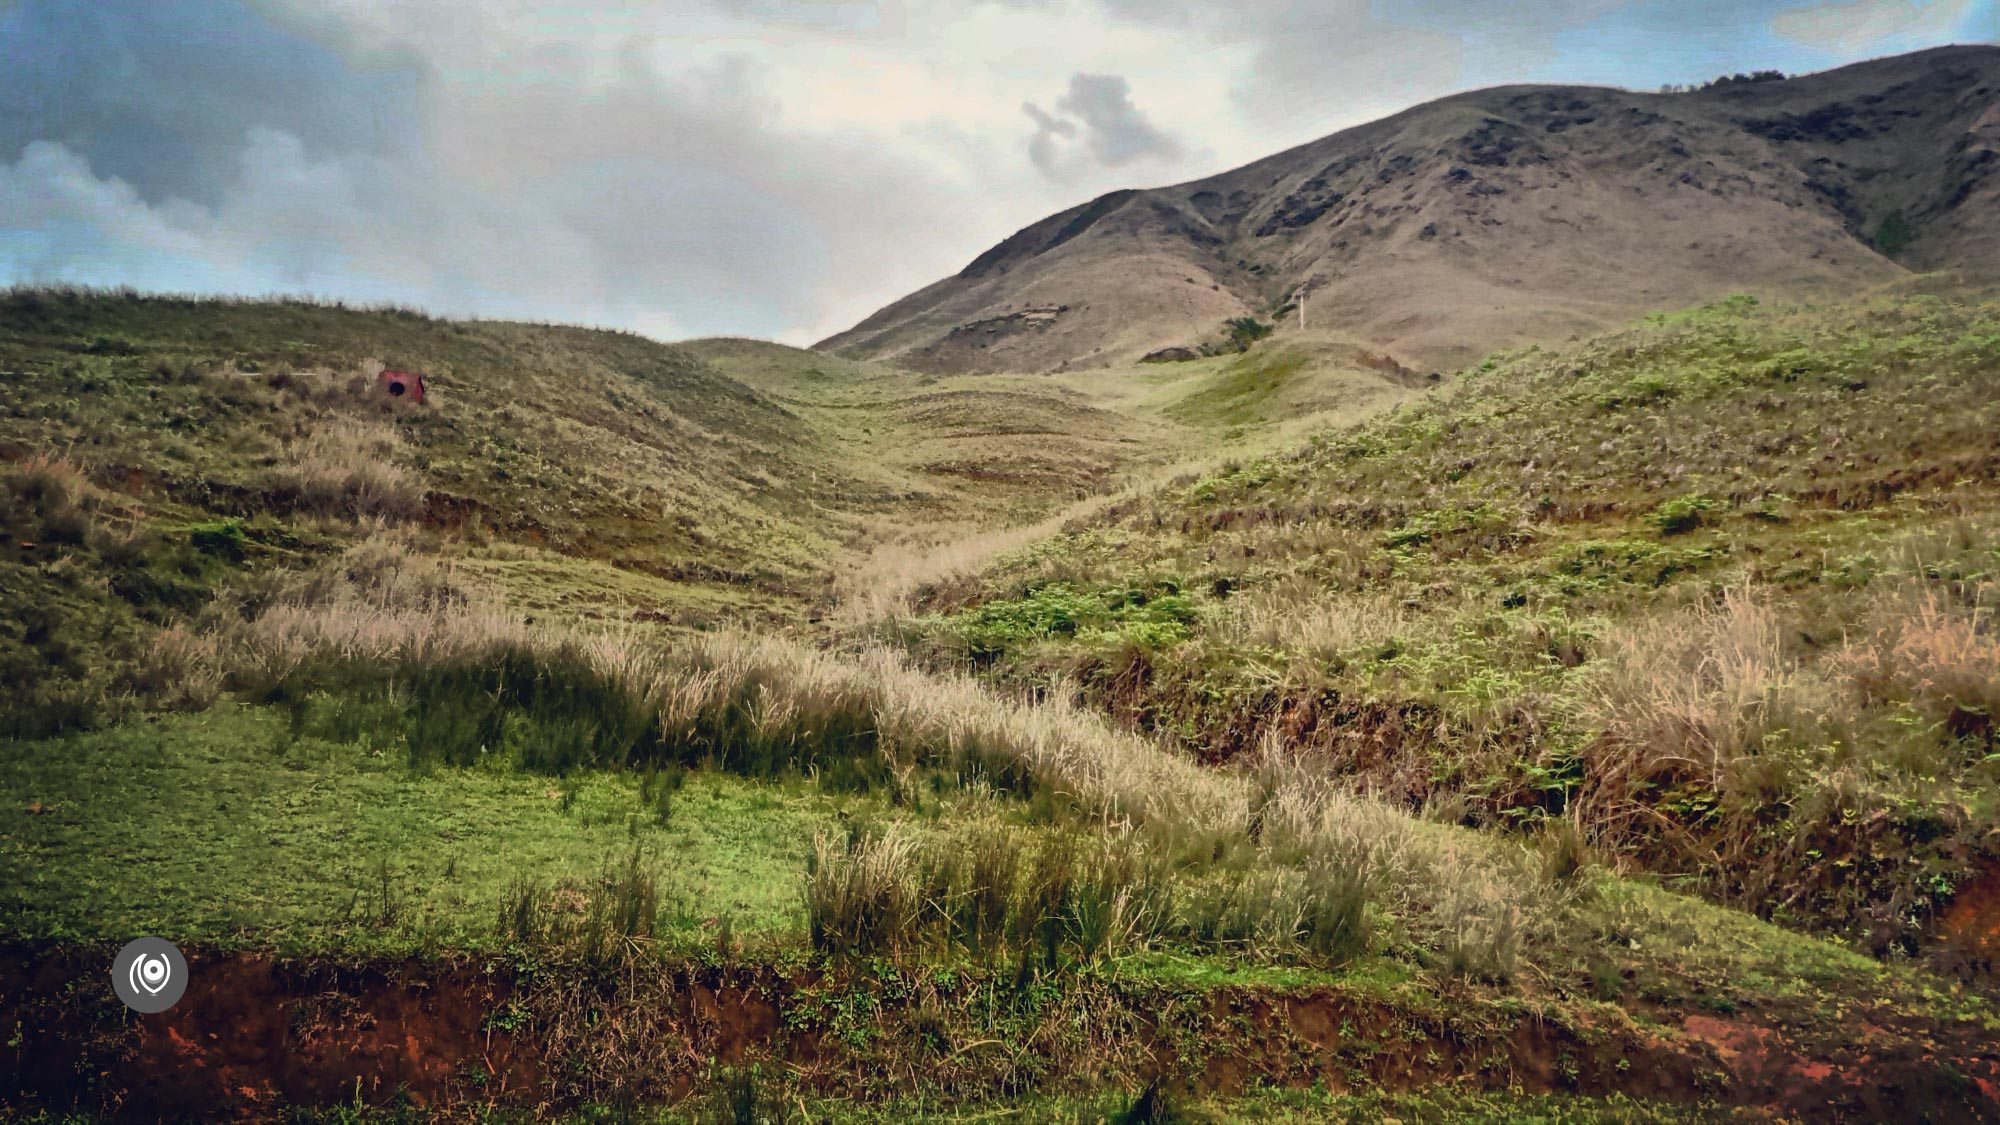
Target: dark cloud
pixel 1096 114
pixel 161 94
pixel 200 145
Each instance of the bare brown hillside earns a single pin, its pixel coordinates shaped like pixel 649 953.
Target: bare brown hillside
pixel 1498 217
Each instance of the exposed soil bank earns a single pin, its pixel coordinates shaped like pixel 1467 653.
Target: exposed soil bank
pixel 258 1034
pixel 1970 928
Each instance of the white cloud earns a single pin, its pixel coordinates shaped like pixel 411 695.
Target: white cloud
pixel 358 228
pixel 1851 25
pixel 811 163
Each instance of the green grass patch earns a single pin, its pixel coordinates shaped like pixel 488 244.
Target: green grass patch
pixel 1244 390
pixel 1147 615
pixel 224 828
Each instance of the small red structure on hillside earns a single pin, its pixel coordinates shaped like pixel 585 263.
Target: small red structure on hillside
pixel 401 384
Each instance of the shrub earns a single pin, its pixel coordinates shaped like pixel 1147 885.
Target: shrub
pixel 1892 234
pixel 1245 331
pixel 221 538
pixel 1683 513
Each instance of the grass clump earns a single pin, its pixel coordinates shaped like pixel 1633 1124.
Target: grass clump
pixel 1053 900
pixel 348 468
pixel 1683 514
pixel 1149 615
pixel 621 911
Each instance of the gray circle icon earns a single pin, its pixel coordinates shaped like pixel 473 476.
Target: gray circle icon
pixel 149 974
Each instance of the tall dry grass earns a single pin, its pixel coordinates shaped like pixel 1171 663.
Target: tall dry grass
pixel 47 497
pixel 183 668
pixel 349 468
pixel 1725 743
pixel 1294 860
pixel 1301 620
pixel 1917 647
pixel 883 585
pixel 1682 698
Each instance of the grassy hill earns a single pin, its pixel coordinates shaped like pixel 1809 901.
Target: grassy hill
pixel 568 471
pixel 487 759
pixel 1716 593
pixel 1498 218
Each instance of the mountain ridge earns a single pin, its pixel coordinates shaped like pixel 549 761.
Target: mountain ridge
pixel 1498 217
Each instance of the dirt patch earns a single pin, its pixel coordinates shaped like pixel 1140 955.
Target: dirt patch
pixel 257 1035
pixel 254 1034
pixel 1879 1076
pixel 1969 931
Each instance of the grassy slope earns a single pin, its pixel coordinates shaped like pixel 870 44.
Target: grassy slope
pixel 1475 603
pixel 694 493
pixel 1264 398
pixel 252 838
pixel 333 822
pixel 598 443
pixel 567 472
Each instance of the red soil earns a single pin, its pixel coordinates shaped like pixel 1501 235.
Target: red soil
pixel 256 1034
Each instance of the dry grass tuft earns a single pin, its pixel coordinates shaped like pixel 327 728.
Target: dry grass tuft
pixel 48 498
pixel 1921 649
pixel 1297 619
pixel 1684 698
pixel 346 468
pixel 182 669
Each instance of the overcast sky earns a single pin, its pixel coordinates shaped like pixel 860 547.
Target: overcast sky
pixel 776 168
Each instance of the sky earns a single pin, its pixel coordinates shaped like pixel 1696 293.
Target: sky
pixel 774 168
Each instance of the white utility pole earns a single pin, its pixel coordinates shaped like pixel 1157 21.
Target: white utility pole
pixel 1303 289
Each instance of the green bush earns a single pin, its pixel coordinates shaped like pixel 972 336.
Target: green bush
pixel 1683 513
pixel 221 538
pixel 1892 234
pixel 1150 616
pixel 1245 331
pixel 1480 522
